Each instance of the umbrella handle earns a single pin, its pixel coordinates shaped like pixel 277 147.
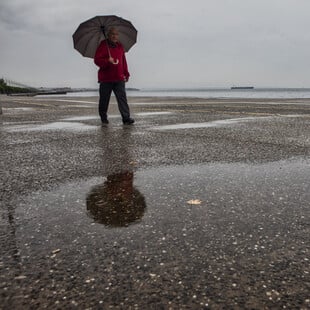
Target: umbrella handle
pixel 108 48
pixel 103 31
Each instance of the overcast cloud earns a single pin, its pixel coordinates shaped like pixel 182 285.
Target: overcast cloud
pixel 181 43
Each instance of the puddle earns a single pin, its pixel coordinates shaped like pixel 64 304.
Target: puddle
pixel 292 115
pixel 67 100
pixel 92 234
pixel 122 198
pixel 21 122
pixel 224 122
pixel 81 118
pixel 92 117
pixel 17 109
pixel 147 103
pixel 278 102
pixel 217 123
pixel 76 106
pixel 70 126
pixel 153 113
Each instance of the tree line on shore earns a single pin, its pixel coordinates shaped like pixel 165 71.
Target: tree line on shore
pixel 6 89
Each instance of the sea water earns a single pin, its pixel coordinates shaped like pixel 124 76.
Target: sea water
pixel 257 93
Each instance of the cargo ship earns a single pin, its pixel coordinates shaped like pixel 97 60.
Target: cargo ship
pixel 242 87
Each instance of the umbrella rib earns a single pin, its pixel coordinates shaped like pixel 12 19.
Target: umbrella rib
pixel 87 33
pixel 86 47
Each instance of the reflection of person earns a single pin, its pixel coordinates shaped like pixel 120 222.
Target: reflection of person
pixel 117 202
pixel 112 75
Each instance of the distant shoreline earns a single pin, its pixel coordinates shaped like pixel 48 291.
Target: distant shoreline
pixel 203 93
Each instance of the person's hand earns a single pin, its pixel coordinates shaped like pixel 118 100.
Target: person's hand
pixel 113 61
pixel 126 79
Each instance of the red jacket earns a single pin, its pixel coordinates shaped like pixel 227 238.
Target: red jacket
pixel 109 72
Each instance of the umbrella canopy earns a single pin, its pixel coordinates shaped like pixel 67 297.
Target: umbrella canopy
pixel 90 33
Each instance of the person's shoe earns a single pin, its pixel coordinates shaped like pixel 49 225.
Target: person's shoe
pixel 104 122
pixel 128 121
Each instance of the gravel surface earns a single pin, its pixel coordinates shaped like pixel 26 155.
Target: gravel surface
pixel 202 204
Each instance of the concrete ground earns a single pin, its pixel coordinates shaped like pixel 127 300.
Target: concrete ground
pixel 202 204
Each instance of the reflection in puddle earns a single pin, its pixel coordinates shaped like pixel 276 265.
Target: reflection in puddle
pixel 116 202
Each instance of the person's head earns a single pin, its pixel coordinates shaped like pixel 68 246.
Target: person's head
pixel 113 34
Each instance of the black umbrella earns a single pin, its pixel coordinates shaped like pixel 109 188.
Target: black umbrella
pixel 90 33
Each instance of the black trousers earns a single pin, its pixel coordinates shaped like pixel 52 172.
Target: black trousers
pixel 118 89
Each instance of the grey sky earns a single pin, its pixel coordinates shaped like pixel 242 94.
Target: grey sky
pixel 181 43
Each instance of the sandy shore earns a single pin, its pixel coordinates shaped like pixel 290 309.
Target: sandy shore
pixel 212 204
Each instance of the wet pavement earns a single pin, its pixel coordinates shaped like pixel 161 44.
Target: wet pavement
pixel 202 204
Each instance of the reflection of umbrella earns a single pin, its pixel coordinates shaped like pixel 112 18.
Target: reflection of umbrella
pixel 90 33
pixel 116 203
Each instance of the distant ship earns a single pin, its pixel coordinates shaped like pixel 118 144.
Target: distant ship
pixel 242 87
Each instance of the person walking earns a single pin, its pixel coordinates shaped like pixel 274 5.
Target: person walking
pixel 112 75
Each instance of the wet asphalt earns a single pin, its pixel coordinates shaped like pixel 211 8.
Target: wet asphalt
pixel 202 204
